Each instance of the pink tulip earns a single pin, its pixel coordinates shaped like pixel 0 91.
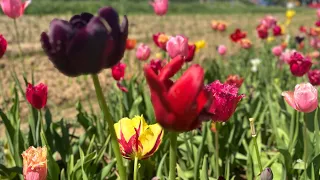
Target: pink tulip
pixel 143 52
pixel 277 50
pixel 178 46
pixel 160 7
pixel 222 50
pixel 303 99
pixel 285 56
pixel 14 8
pixel 318 13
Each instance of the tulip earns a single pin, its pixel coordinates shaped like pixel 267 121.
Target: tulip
pixel 245 43
pixel 137 139
pixel 266 174
pixel 255 63
pixel 235 80
pixel 35 163
pixel 37 95
pixel 191 52
pixel 200 44
pixel 14 8
pixel 131 44
pixel 222 26
pixel 222 50
pixel 290 14
pixel 86 44
pixel 122 87
pixel 314 77
pixel 118 71
pixel 177 105
pixel 214 25
pixel 178 46
pixel 303 99
pixel 156 65
pixel 318 13
pixel 262 31
pixel 299 65
pixel 160 39
pixel 299 39
pixel 223 101
pixel 317 23
pixel 237 35
pixel 286 56
pixel 314 54
pixel 269 21
pixel 277 31
pixel 303 29
pixel 3 45
pixel 160 7
pixel 277 50
pixel 143 52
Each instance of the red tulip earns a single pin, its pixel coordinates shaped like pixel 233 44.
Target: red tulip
pixel 122 87
pixel 262 31
pixel 277 31
pixel 314 77
pixel 303 29
pixel 118 71
pixel 237 35
pixel 3 45
pixel 317 23
pixel 235 80
pixel 224 101
pixel 299 65
pixel 37 95
pixel 177 105
pixel 160 39
pixel 192 50
pixel 157 65
pixel 131 44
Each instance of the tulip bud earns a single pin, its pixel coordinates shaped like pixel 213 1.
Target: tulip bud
pixel 314 77
pixel 35 163
pixel 118 71
pixel 131 44
pixel 37 95
pixel 277 31
pixel 160 7
pixel 266 174
pixel 191 52
pixel 143 52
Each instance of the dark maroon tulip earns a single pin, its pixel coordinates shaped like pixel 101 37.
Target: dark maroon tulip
pixel 314 77
pixel 86 44
pixel 37 95
pixel 192 50
pixel 224 101
pixel 299 65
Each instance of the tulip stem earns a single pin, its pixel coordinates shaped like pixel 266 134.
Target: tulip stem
pixel 173 155
pixel 305 148
pixel 257 153
pixel 136 169
pixel 108 118
pixel 17 36
pixel 216 136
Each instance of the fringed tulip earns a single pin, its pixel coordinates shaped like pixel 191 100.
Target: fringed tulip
pixel 35 163
pixel 235 80
pixel 314 77
pixel 303 99
pixel 160 7
pixel 161 39
pixel 3 45
pixel 143 52
pixel 177 105
pixel 37 95
pixel 191 52
pixel 178 46
pixel 299 65
pixel 118 71
pixel 14 8
pixel 137 139
pixel 86 44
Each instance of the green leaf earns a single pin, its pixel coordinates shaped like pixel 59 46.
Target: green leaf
pixel 161 164
pixel 135 107
pixel 106 170
pixel 84 175
pixel 204 169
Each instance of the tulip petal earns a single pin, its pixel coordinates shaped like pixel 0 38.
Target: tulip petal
pixel 288 97
pixel 151 139
pixel 26 4
pixel 171 68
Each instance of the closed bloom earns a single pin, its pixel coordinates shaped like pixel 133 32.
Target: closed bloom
pixel 299 65
pixel 177 105
pixel 3 45
pixel 262 31
pixel 86 44
pixel 178 46
pixel 214 25
pixel 303 99
pixel 160 7
pixel 314 77
pixel 137 139
pixel 235 80
pixel 277 31
pixel 245 43
pixel 161 39
pixel 191 51
pixel 118 71
pixel 237 35
pixel 222 26
pixel 143 52
pixel 222 50
pixel 14 8
pixel 224 101
pixel 35 163
pixel 37 95
pixel 266 174
pixel 277 50
pixel 131 44
pixel 290 14
pixel 317 23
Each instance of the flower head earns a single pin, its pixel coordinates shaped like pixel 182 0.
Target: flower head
pixel 222 50
pixel 314 77
pixel 118 71
pixel 290 14
pixel 157 65
pixel 262 31
pixel 143 52
pixel 277 50
pixel 200 44
pixel 299 65
pixel 35 163
pixel 277 30
pixel 37 95
pixel 86 44
pixel 238 35
pixel 3 45
pixel 255 63
pixel 266 174
pixel 191 52
pixel 14 8
pixel 137 139
pixel 269 21
pixel 235 80
pixel 303 99
pixel 245 43
pixel 178 46
pixel 160 7
pixel 131 44
pixel 161 39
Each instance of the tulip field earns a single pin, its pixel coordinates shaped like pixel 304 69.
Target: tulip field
pixel 110 94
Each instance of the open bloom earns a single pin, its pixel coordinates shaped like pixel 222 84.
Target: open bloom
pixel 223 102
pixel 191 52
pixel 143 52
pixel 303 99
pixel 37 95
pixel 237 35
pixel 137 139
pixel 14 8
pixel 235 80
pixel 277 50
pixel 118 71
pixel 222 50
pixel 86 44
pixel 3 45
pixel 245 43
pixel 314 77
pixel 160 7
pixel 178 46
pixel 299 65
pixel 35 163
pixel 177 105
pixel 131 44
pixel 161 39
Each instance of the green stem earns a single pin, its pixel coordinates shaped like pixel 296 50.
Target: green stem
pixel 305 147
pixel 136 169
pixel 200 150
pixel 217 149
pixel 173 155
pixel 257 153
pixel 108 118
pixel 17 36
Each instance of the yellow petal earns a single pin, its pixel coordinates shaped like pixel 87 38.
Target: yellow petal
pixel 151 139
